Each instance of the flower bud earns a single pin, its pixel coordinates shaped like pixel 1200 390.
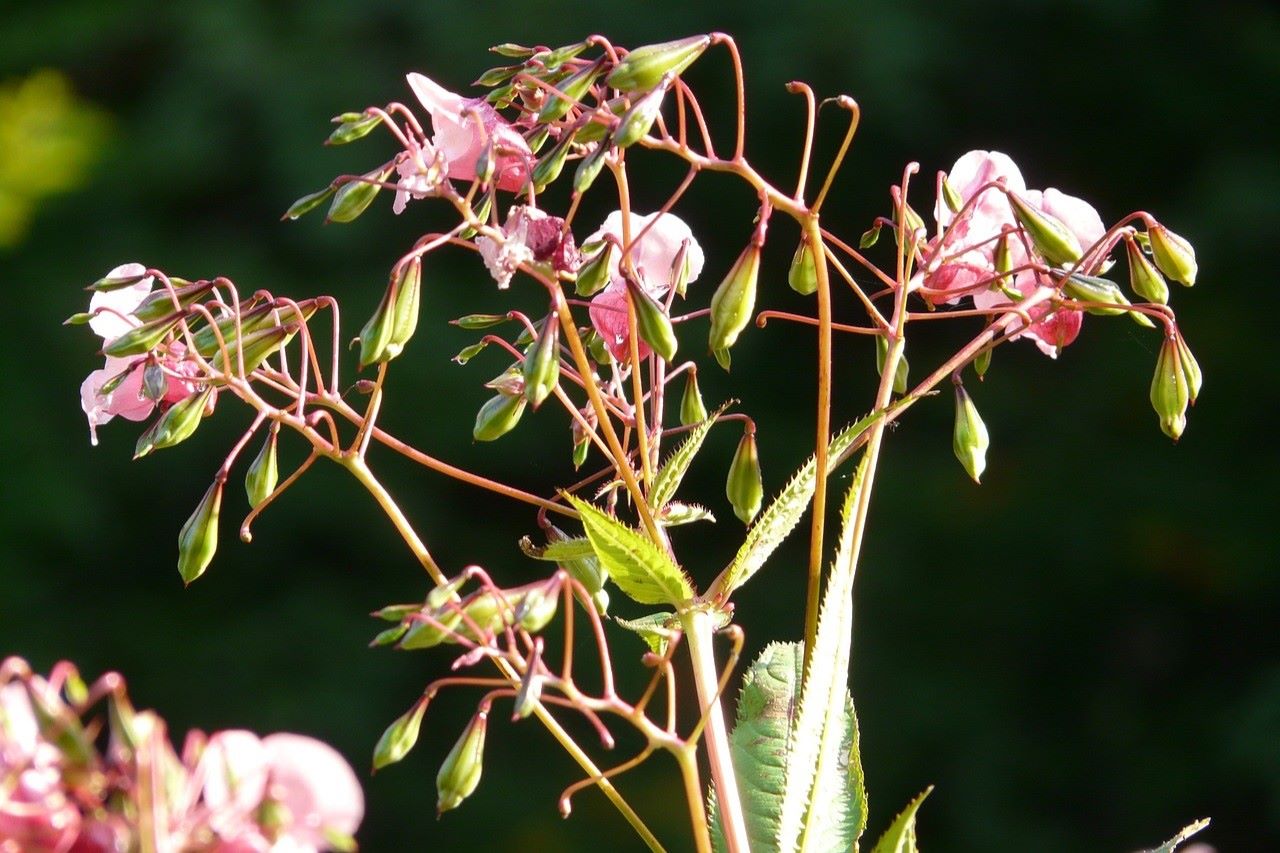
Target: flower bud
pixel 460 773
pixel 652 322
pixel 175 426
pixel 260 479
pixel 1144 278
pixel 479 321
pixel 950 197
pixel 542 363
pixel 734 300
pixel 1190 368
pixel 1052 239
pixel 900 373
pixel 803 275
pixel 142 339
pixel 745 486
pixel 636 123
pixel 588 169
pixel 594 274
pixel 970 439
pixel 399 737
pixel 692 410
pixel 351 128
pixel 354 197
pixel 1170 390
pixel 498 417
pixel 309 202
pixel 644 67
pixel 680 270
pixel 115 282
pixel 198 539
pixel 1173 255
pixel 575 88
pixel 548 168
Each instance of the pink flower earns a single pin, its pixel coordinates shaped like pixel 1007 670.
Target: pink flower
pixel 232 773
pixel 117 305
pixel 315 786
pixel 528 235
pixel 421 172
pixel 463 125
pixel 653 255
pixel 35 812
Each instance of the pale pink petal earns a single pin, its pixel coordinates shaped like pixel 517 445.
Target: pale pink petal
pixel 233 769
pixel 967 177
pixel 654 253
pixel 609 317
pixel 460 138
pixel 1077 214
pixel 317 787
pixel 1049 332
pixel 125 400
pixel 109 325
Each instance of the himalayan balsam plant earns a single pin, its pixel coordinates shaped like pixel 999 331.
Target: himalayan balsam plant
pixel 634 311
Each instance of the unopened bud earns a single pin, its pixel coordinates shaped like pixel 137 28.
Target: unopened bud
pixel 542 363
pixel 175 426
pixel 745 486
pixel 1144 278
pixel 548 168
pixel 1173 255
pixel 575 88
pixel 580 449
pixel 460 773
pixel 441 594
pixel 399 737
pixel 594 274
pixel 354 197
pixel 1051 238
pixel 308 203
pixel 260 479
pixel 970 439
pixel 479 321
pixel 900 373
pixel 141 339
pixel 644 67
pixel 680 270
pixel 1170 390
pixel 982 363
pixel 803 275
pixel 1190 368
pixel 652 322
pixel 588 169
pixel 351 128
pixel 198 539
pixel 498 416
pixel 950 197
pixel 636 123
pixel 734 300
pixel 692 409
pixel 1102 293
pixel 161 302
pixel 426 633
pixel 393 324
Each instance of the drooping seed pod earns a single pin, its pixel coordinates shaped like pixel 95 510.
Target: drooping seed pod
pixel 175 426
pixel 260 480
pixel 637 121
pixel 498 416
pixel 900 374
pixel 1144 278
pixel 1170 389
pixel 970 439
pixel 354 197
pixel 594 274
pixel 803 274
pixel 575 88
pixel 198 539
pixel 692 409
pixel 1174 256
pixel 644 67
pixel 734 301
pixel 652 322
pixel 1190 368
pixel 459 775
pixel 399 737
pixel 1051 238
pixel 541 367
pixel 745 486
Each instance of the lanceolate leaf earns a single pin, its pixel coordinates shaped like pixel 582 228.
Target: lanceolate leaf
pixel 1187 831
pixel 653 629
pixel 777 521
pixel 822 804
pixel 669 475
pixel 900 837
pixel 639 567
pixel 560 551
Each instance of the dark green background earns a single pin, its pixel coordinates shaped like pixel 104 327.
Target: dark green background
pixel 1081 654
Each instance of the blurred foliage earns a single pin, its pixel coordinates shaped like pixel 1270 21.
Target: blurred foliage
pixel 1081 653
pixel 47 140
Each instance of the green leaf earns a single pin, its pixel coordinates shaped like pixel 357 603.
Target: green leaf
pixel 900 837
pixel 1187 831
pixel 558 552
pixel 777 521
pixel 655 629
pixel 677 513
pixel 823 802
pixel 668 478
pixel 639 567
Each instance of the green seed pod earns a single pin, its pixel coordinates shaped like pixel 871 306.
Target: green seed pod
pixel 1173 255
pixel 389 637
pixel 594 274
pixel 261 344
pixel 441 594
pixel 142 339
pixel 1052 239
pixel 585 570
pixel 644 67
pixel 198 539
pixel 494 76
pixel 486 612
pixel 498 417
pixel 553 59
pixel 970 439
pixel 460 773
pixel 536 609
pixel 637 121
pixel 595 345
pixel 115 282
pixel 552 163
pixel 575 88
pixel 399 737
pixel 580 450
pixel 154 383
pixel 174 426
pixel 982 363
pixel 745 486
pixel 393 324
pixel 479 321
pixel 260 480
pixel 1102 292
pixel 588 169
pixel 1144 278
pixel 952 198
pixel 308 203
pixel 900 374
pixel 160 303
pixel 351 129
pixel 680 270
pixel 1170 390
pixel 542 363
pixel 1190 368
pixel 692 409
pixel 354 197
pixel 803 275
pixel 652 322
pixel 424 634
pixel 734 300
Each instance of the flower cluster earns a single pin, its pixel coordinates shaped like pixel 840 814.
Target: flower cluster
pixel 230 792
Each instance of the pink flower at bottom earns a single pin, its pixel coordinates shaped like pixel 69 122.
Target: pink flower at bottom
pixel 315 786
pixel 609 317
pixel 126 399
